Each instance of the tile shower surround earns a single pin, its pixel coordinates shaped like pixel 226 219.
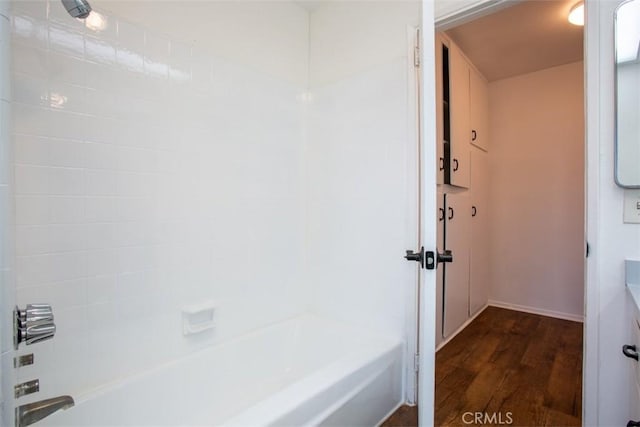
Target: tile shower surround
pixel 153 174
pixel 140 187
pixel 6 243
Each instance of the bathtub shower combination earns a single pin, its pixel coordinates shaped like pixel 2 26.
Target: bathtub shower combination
pixel 214 197
pixel 306 371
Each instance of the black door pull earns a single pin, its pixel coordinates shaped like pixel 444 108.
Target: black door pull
pixel 455 165
pixel 441 167
pixel 441 216
pixel 630 351
pixel 474 135
pixel 450 213
pixel 474 211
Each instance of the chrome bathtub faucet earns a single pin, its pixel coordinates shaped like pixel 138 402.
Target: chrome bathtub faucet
pixel 34 412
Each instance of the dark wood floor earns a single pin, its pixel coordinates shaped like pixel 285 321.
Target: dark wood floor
pixel 512 368
pixel 405 416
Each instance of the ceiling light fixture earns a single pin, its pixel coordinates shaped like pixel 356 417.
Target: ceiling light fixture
pixel 576 14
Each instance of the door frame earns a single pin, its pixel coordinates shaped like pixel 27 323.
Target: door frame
pixel 427 303
pixel 443 14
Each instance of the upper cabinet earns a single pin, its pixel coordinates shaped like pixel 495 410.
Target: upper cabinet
pixel 478 109
pixel 442 108
pixel 460 155
pixel 462 113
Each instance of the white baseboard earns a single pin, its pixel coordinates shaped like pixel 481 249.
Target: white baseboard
pixel 464 325
pixel 391 412
pixel 516 307
pixel 535 310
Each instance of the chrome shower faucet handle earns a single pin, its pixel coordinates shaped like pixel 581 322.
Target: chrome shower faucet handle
pixel 33 324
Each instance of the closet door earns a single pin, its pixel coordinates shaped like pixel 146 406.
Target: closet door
pixel 440 270
pixel 479 110
pixel 479 284
pixel 442 108
pixel 456 274
pixel 459 113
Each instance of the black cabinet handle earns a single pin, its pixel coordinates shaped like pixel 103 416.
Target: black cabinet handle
pixel 630 351
pixel 474 135
pixel 441 167
pixel 455 165
pixel 474 211
pixel 632 423
pixel 441 217
pixel 450 213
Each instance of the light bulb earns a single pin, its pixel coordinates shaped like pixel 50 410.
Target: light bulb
pixel 576 15
pixel 95 21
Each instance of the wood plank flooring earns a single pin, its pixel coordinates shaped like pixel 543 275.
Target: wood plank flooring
pixel 512 368
pixel 405 416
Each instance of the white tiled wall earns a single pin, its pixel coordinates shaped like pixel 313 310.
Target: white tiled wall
pixel 6 244
pixel 188 159
pixel 150 174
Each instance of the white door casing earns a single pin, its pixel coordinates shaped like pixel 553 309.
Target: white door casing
pixel 426 376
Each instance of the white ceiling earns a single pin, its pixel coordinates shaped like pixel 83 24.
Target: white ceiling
pixel 528 36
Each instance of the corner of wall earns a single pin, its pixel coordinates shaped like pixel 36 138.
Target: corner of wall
pixel 6 284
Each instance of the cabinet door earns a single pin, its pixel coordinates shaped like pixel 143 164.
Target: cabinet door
pixel 635 369
pixel 440 270
pixel 479 110
pixel 479 258
pixel 459 110
pixel 456 273
pixel 440 111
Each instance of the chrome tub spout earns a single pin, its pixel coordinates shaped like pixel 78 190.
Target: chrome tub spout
pixel 34 412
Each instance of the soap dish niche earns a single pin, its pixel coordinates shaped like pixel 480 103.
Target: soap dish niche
pixel 198 318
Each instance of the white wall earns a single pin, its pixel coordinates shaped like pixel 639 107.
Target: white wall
pixel 243 32
pixel 6 244
pixel 537 190
pixel 153 173
pixel 607 377
pixel 360 185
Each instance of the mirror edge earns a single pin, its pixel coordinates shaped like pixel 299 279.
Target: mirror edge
pixel 616 178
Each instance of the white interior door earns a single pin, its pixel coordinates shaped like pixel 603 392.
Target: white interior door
pixel 426 377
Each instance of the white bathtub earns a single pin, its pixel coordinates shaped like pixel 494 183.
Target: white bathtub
pixel 306 371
